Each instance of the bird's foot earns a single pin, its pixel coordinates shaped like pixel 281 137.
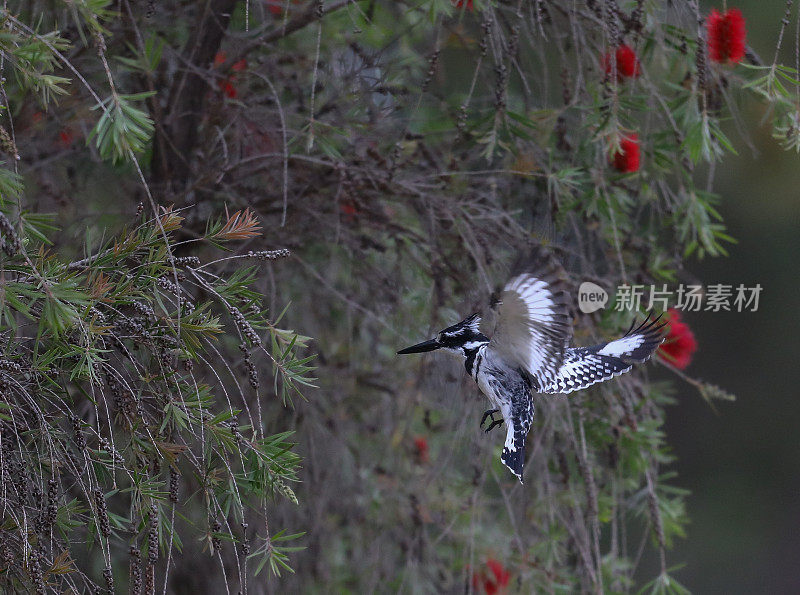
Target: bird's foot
pixel 490 414
pixel 493 425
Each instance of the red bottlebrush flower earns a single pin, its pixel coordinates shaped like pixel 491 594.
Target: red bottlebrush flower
pixel 501 575
pixel 275 7
pixel 463 4
pixel 726 35
pixel 627 158
pixel 278 7
pixel 349 208
pixel 421 446
pixel 66 137
pixel 494 583
pixel 680 344
pixel 227 87
pixel 237 66
pixel 628 65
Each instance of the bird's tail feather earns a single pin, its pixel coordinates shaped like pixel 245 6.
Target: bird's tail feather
pixel 514 460
pixel 513 455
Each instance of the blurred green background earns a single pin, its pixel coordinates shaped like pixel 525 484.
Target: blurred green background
pixel 741 461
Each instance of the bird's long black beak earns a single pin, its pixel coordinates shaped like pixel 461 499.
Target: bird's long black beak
pixel 421 347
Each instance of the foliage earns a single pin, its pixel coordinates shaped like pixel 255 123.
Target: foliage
pixel 117 404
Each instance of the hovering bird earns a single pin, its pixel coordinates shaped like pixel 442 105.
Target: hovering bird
pixel 530 352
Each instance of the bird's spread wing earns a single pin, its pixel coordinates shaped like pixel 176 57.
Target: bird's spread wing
pixel 585 366
pixel 518 415
pixel 533 327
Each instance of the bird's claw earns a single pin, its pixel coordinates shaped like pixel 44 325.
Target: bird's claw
pixel 493 425
pixel 495 422
pixel 487 413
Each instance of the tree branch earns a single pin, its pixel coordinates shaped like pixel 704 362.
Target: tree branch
pixel 187 94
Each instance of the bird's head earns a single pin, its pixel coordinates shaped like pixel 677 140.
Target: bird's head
pixel 460 338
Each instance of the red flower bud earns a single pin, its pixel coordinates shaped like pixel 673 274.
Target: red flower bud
pixel 226 86
pixel 627 158
pixel 501 575
pixel 628 65
pixel 493 583
pixel 278 7
pixel 348 207
pixel 421 446
pixel 65 138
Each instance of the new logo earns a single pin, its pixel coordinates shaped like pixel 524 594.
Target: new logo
pixel 591 297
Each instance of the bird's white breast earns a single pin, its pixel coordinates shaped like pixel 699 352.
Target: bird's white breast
pixel 482 372
pixel 486 388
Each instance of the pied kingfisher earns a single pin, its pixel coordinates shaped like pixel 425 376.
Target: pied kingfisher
pixel 529 352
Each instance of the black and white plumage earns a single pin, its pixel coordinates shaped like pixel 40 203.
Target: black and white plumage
pixel 529 352
pixel 584 366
